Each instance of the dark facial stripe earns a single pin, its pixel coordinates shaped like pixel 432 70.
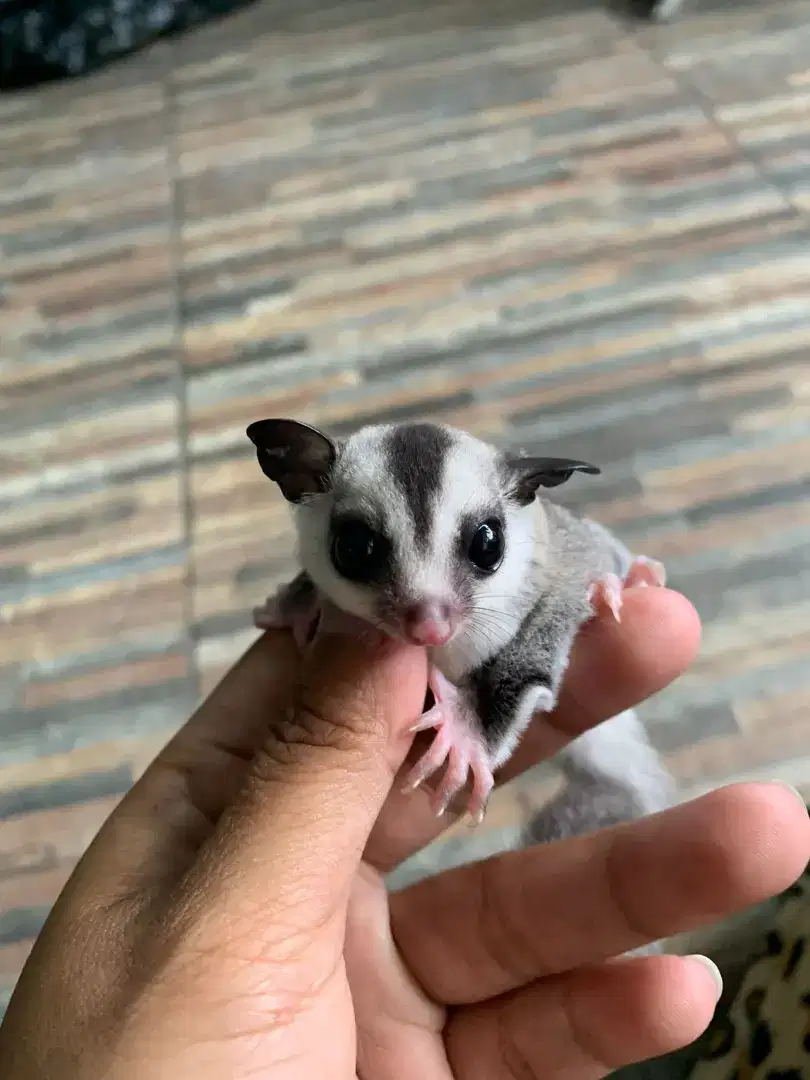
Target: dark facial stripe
pixel 416 456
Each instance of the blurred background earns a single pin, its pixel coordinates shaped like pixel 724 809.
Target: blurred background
pixel 561 229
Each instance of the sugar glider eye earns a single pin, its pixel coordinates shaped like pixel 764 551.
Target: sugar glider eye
pixel 359 553
pixel 487 546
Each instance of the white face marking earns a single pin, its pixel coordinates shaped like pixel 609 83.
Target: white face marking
pixel 467 485
pixel 470 485
pixel 472 480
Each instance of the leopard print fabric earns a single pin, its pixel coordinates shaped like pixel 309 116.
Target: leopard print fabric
pixel 765 1032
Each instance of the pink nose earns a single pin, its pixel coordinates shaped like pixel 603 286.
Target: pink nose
pixel 428 623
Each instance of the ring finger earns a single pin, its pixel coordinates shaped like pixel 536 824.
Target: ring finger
pixel 586 1023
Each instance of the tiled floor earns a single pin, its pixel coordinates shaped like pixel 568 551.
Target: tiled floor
pixel 554 229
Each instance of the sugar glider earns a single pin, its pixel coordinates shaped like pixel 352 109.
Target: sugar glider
pixel 438 538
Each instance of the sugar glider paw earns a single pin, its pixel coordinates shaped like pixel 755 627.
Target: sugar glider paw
pixel 292 608
pixel 268 616
pixel 608 590
pixel 457 747
pixel 644 571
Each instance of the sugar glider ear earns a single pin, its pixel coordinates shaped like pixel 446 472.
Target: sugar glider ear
pixel 296 456
pixel 527 474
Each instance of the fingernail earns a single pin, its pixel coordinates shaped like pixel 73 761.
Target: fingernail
pixel 713 970
pixel 793 791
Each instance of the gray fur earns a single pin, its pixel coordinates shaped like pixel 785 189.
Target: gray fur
pixel 574 554
pixel 613 775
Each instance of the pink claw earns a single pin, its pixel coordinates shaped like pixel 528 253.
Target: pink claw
pixel 432 760
pixel 644 571
pixel 431 719
pixel 608 591
pixel 465 757
pixel 457 746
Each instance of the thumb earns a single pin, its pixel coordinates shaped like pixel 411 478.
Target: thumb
pixel 294 838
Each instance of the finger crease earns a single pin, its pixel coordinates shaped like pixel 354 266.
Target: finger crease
pixel 633 922
pixel 231 750
pixel 186 777
pixel 504 944
pixel 509 1052
pixel 578 1034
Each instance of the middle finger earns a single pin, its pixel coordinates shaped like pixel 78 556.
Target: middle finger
pixel 485 929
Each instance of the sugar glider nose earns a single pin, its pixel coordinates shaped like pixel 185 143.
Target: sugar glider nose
pixel 430 622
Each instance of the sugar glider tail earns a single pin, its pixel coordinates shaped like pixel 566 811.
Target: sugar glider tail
pixel 613 774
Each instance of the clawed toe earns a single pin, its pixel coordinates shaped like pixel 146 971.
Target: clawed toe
pixel 646 572
pixel 461 764
pixel 457 748
pixel 431 761
pixel 268 617
pixel 608 591
pixel 430 719
pixel 276 613
pixel 455 777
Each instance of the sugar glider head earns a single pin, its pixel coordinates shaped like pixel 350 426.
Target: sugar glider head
pixel 417 528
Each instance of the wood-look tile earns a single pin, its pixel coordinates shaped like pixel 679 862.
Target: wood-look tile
pixel 95 660
pixel 755 76
pixel 91 489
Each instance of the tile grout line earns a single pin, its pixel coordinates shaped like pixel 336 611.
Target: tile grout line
pixel 703 102
pixel 175 251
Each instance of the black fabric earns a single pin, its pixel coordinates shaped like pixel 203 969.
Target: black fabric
pixel 55 39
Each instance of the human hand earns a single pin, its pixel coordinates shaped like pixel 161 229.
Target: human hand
pixel 230 919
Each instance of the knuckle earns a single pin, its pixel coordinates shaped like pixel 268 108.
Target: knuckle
pixel 506 938
pixel 514 1059
pixel 348 700
pixel 633 912
pixel 300 733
